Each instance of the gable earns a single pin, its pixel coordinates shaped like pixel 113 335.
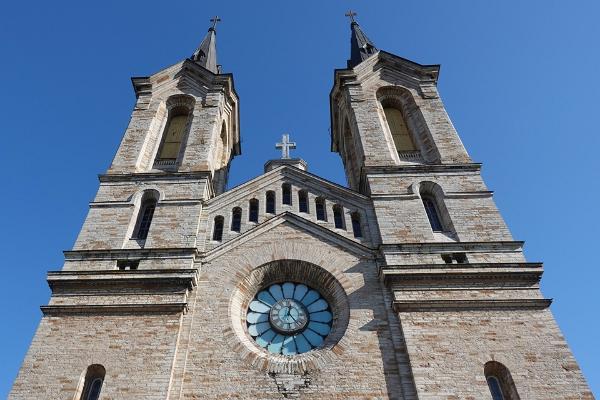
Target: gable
pixel 277 236
pixel 350 205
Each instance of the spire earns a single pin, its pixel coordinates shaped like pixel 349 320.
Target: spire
pixel 206 53
pixel 361 46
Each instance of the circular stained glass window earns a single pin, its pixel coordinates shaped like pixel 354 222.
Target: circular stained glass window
pixel 289 318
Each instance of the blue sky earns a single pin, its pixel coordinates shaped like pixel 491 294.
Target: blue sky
pixel 519 80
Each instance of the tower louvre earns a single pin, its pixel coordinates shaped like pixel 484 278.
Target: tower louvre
pixel 407 284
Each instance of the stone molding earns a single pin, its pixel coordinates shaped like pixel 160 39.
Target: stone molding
pixel 143 309
pixel 527 272
pixel 470 305
pixel 117 254
pixel 440 247
pixel 185 278
pixel 153 176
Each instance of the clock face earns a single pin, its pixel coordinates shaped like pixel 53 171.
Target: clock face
pixel 289 318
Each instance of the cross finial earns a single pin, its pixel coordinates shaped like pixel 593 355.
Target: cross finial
pixel 351 14
pixel 285 146
pixel 215 21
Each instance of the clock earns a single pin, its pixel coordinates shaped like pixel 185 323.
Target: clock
pixel 289 318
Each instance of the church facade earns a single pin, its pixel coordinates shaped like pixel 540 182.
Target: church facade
pixel 406 284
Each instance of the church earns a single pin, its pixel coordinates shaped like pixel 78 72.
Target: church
pixel 405 284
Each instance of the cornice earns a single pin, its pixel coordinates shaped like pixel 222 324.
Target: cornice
pixel 114 254
pixel 471 305
pixel 440 247
pixel 153 176
pixel 186 278
pixel 420 168
pixel 144 309
pixel 529 273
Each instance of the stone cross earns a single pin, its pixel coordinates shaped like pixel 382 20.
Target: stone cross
pixel 285 146
pixel 351 14
pixel 215 21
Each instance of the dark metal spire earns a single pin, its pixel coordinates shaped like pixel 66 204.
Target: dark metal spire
pixel 206 53
pixel 361 46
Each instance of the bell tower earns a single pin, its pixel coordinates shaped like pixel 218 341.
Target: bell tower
pixel 175 153
pixel 468 301
pixel 185 120
pixel 135 261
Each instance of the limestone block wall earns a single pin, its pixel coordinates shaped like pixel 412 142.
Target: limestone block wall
pixel 468 207
pixel 112 217
pixel 136 350
pixel 361 365
pixel 449 349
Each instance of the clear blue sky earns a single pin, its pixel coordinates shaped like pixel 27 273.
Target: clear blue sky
pixel 519 79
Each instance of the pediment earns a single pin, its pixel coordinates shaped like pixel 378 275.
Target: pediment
pixel 300 224
pixel 291 175
pixel 348 206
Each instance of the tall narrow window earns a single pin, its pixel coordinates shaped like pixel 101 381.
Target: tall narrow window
pixel 320 209
pixel 286 194
pixel 270 202
pixel 218 229
pixel 92 385
pixel 253 211
pixel 173 135
pixel 338 217
pixel 303 201
pixel 432 214
pixel 356 228
pixel 236 219
pixel 500 382
pixel 495 389
pixel 145 215
pixel 400 134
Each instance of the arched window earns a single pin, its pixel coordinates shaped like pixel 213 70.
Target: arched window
pixel 320 209
pixel 338 217
pixel 356 228
pixel 148 205
pixel 218 228
pixel 500 381
pixel 94 378
pixel 350 156
pixel 270 202
pixel 432 213
pixel 303 201
pixel 236 219
pixel 397 126
pixel 253 211
pixel 286 194
pixel 173 135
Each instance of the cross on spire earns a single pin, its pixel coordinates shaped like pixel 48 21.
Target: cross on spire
pixel 285 146
pixel 351 14
pixel 215 20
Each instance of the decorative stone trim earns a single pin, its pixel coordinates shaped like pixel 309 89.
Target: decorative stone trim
pixel 157 308
pixel 438 247
pixel 295 271
pixel 113 254
pixel 154 176
pixel 470 305
pixel 527 272
pixel 184 278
